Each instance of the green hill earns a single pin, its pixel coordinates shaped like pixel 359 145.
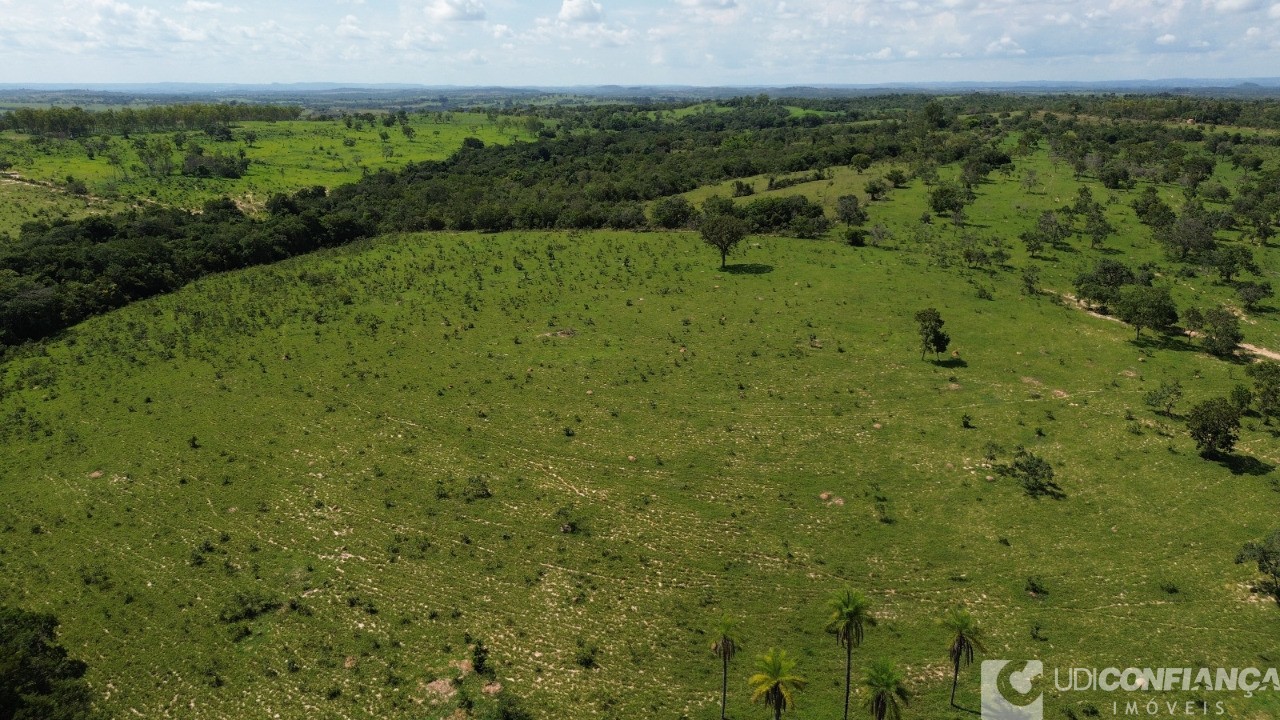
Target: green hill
pixel 310 487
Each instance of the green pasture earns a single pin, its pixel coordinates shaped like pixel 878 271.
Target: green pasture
pixel 581 449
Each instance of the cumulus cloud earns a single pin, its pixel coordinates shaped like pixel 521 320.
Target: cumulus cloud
pixel 457 10
pixel 581 11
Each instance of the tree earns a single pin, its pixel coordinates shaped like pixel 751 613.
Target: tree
pixel 1031 280
pixel 1190 236
pixel 1231 260
pixel 722 232
pixel 37 678
pixel 876 189
pixel 886 688
pixel 724 645
pixel 1034 474
pixel 1266 555
pixel 1220 332
pixel 1251 293
pixel 946 198
pixel 672 212
pixel 932 337
pixel 849 210
pixel 1165 396
pixel 1266 387
pixel 1214 425
pixel 1097 227
pixel 1143 306
pixel 849 617
pixel 775 683
pixel 966 638
pixel 1102 285
pixel 896 177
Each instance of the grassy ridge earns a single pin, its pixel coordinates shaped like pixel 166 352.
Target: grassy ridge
pixel 327 430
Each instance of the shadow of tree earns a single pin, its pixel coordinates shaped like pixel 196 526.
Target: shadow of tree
pixel 1245 465
pixel 748 269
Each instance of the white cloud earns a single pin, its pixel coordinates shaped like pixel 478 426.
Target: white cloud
pixel 457 10
pixel 1005 46
pixel 1233 6
pixel 1167 39
pixel 581 11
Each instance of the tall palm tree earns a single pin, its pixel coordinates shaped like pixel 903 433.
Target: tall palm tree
pixel 725 644
pixel 849 617
pixel 966 637
pixel 887 688
pixel 775 682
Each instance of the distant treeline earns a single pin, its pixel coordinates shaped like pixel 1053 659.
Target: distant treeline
pixel 76 122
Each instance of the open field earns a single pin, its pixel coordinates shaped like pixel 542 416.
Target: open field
pixel 24 202
pixel 582 448
pixel 284 156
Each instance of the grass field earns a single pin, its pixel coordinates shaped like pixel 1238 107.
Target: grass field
pixel 22 202
pixel 285 156
pixel 304 489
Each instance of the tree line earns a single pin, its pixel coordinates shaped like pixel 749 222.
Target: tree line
pixel 74 122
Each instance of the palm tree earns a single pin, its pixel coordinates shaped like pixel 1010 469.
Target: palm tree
pixel 966 637
pixel 849 617
pixel 725 645
pixel 775 683
pixel 887 688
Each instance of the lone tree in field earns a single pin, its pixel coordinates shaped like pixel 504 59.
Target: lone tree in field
pixel 1146 307
pixel 886 689
pixel 1214 425
pixel 932 337
pixel 849 619
pixel 1163 398
pixel 722 232
pixel 775 682
pixel 725 644
pixel 966 637
pixel 1267 555
pixel 37 679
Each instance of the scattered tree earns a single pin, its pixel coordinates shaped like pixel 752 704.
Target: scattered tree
pixel 722 232
pixel 1220 332
pixel 1266 555
pixel 886 688
pixel 1143 306
pixel 849 210
pixel 932 337
pixel 725 645
pixel 850 616
pixel 1214 425
pixel 775 683
pixel 1266 387
pixel 1164 397
pixel 966 639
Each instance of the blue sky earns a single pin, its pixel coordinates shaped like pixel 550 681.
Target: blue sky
pixel 692 42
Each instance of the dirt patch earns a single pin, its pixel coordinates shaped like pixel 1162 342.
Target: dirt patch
pixel 442 689
pixel 1061 394
pixel 565 333
pixel 493 688
pixel 1032 382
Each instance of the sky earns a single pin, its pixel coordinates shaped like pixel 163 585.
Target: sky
pixel 634 42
